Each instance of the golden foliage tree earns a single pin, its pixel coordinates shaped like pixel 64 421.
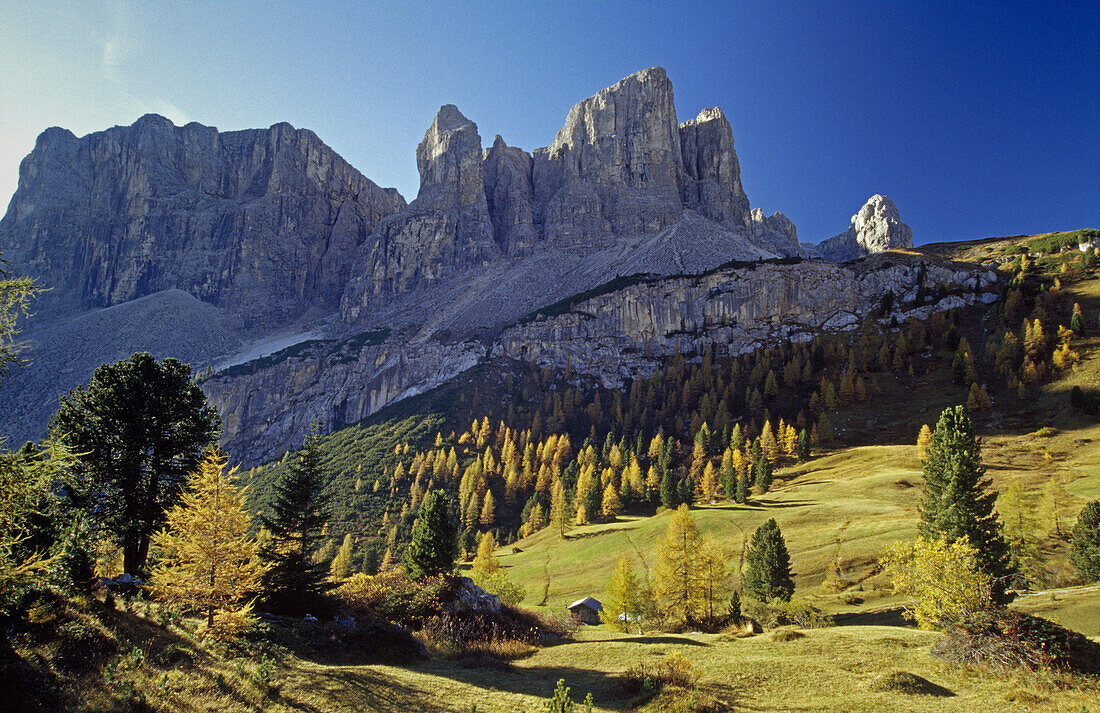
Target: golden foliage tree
pixel 208 561
pixel 486 562
pixel 340 569
pixel 923 439
pixel 611 503
pixel 941 581
pixel 677 572
pixel 623 603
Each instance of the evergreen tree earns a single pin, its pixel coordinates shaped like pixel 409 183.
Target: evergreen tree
pixel 767 572
pixel 1085 543
pixel 728 475
pixel 957 499
pixel 294 582
pixel 140 427
pixel 208 561
pixel 434 546
pixel 685 492
pixel 804 450
pixel 743 487
pixel 762 474
pixel 669 494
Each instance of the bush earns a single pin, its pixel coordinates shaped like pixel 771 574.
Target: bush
pixel 1003 640
pixel 941 580
pixel 672 670
pixel 776 612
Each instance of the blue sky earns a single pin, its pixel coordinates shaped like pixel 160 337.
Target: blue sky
pixel 977 119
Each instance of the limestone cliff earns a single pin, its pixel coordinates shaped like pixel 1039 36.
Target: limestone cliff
pixel 618 335
pixel 265 222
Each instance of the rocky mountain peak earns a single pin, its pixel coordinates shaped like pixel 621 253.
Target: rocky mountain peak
pixel 449 160
pixel 876 227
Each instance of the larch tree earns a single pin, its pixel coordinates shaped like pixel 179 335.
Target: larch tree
pixel 485 562
pixel 140 426
pixel 958 501
pixel 208 562
pixel 677 571
pixel 709 484
pixel 623 603
pixel 434 545
pixel 488 510
pixel 611 505
pixel 767 573
pixel 295 581
pixel 340 569
pixel 560 512
pixel 923 439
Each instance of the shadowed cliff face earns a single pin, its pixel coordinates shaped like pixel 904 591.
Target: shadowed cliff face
pixel 264 222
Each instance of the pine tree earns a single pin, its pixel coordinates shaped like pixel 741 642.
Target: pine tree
pixel 957 500
pixel 744 485
pixel 434 545
pixel 208 561
pixel 341 563
pixel 762 474
pixel 767 572
pixel 294 583
pixel 623 602
pixel 804 450
pixel 677 572
pixel 1085 543
pixel 669 497
pixel 728 474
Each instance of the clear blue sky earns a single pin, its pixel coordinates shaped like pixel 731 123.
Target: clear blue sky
pixel 978 119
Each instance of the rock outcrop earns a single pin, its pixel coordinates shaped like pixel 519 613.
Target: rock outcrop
pixel 265 222
pixel 622 334
pixel 877 227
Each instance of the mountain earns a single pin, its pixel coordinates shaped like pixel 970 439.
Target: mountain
pixel 877 227
pixel 302 290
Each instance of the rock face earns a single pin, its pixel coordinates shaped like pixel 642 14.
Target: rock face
pixel 624 333
pixel 875 228
pixel 620 172
pixel 263 221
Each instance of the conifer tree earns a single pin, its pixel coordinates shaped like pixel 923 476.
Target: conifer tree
pixel 1052 504
pixel 559 508
pixel 709 483
pixel 804 450
pixel 767 572
pixel 957 500
pixel 488 510
pixel 434 545
pixel 208 561
pixel 669 493
pixel 685 492
pixel 623 602
pixel 743 486
pixel 1085 543
pixel 485 562
pixel 294 583
pixel 677 572
pixel 341 563
pixel 611 505
pixel 762 474
pixel 728 475
pixel 923 439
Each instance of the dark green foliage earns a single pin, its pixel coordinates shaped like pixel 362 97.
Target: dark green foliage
pixel 1085 552
pixel 743 486
pixel 140 426
pixel 733 611
pixel 295 583
pixel 762 473
pixel 958 501
pixel 767 572
pixel 804 450
pixel 670 497
pixel 685 492
pixel 1077 323
pixel 434 544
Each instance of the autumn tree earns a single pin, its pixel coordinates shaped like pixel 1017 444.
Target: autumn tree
pixel 559 508
pixel 923 439
pixel 140 426
pixel 623 603
pixel 611 504
pixel 340 569
pixel 486 562
pixel 208 562
pixel 767 573
pixel 677 571
pixel 942 580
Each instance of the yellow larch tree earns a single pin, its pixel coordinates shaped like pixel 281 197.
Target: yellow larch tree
pixel 677 571
pixel 208 561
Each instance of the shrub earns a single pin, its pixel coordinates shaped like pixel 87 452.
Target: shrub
pixel 776 612
pixel 672 670
pixel 941 580
pixel 560 702
pixel 1005 640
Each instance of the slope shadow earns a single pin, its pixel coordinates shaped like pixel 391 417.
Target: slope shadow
pixel 893 616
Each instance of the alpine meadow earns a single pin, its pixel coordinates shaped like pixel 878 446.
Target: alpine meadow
pixel 576 428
